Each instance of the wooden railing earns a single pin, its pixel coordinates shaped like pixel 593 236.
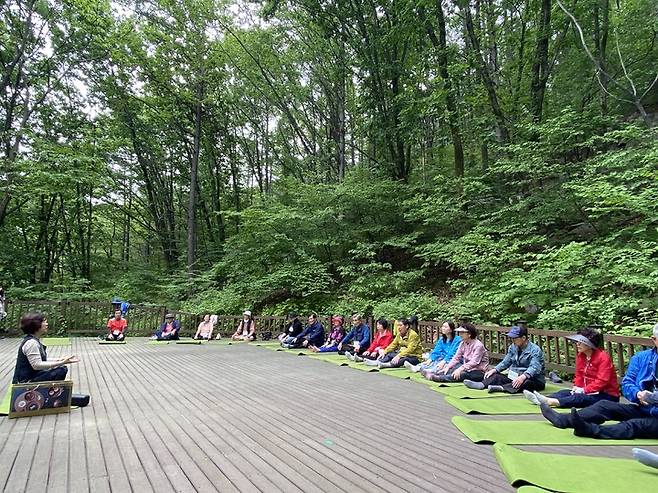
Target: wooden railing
pixel 90 318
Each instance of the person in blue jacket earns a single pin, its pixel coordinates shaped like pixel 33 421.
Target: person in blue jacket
pixel 444 349
pixel 359 337
pixel 312 335
pixel 636 420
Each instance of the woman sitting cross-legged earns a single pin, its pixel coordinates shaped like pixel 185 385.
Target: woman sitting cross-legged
pixel 524 363
pixel 333 338
pixel 383 338
pixel 445 348
pixel 595 379
pixel 469 362
pixel 405 347
pixel 32 363
pixel 205 328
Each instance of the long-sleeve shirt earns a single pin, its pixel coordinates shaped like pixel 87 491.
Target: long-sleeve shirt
pixel 382 341
pixel 360 334
pixel 596 374
pixel 445 350
pixel 528 359
pixel 32 350
pixel 472 355
pixel 335 336
pixel 407 345
pixel 205 329
pixel 642 374
pixel 314 333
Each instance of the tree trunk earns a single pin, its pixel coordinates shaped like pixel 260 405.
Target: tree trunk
pixel 540 64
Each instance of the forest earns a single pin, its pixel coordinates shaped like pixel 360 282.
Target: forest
pixel 489 159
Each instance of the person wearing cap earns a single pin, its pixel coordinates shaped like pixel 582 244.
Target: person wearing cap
pixel 333 338
pixel 357 340
pixel 405 347
pixel 246 330
pixel 524 363
pixel 116 327
pixel 445 348
pixel 168 330
pixel 383 338
pixel 313 334
pixel 639 419
pixel 595 380
pixel 468 363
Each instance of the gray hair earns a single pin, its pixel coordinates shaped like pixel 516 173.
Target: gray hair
pixel 655 330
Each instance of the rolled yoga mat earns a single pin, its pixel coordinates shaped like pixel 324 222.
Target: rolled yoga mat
pixel 56 341
pixel 157 343
pixel 496 406
pixel 463 392
pixel 189 341
pixel 531 433
pixel 111 342
pixel 574 473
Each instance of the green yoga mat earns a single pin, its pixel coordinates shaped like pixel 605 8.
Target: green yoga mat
pixel 56 341
pixel 496 406
pixel 463 392
pixel 4 404
pixel 573 473
pixel 401 373
pixel 531 433
pixel 111 342
pixel 191 341
pixel 330 357
pixel 157 343
pixel 531 489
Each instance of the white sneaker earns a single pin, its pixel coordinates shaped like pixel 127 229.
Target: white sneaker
pixel 531 397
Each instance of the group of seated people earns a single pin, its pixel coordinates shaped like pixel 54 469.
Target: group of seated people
pixel 459 356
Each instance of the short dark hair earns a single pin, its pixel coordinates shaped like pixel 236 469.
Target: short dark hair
pixel 593 335
pixel 31 322
pixel 470 328
pixel 405 321
pixel 313 314
pixel 383 322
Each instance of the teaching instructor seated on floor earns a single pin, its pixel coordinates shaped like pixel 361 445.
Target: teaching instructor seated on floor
pixel 32 363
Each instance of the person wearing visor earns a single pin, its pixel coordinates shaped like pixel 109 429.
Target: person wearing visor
pixel 168 330
pixel 524 363
pixel 639 419
pixel 595 378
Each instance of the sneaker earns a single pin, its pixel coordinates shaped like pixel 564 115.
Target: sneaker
pixel 531 397
pixel 349 356
pixel 371 362
pixel 554 377
pixel 358 359
pixel 384 365
pixel 408 365
pixel 415 368
pixel 474 385
pixel 495 388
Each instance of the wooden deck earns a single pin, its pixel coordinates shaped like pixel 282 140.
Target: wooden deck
pixel 241 418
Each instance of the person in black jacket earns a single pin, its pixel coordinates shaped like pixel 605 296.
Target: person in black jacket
pixel 313 334
pixel 293 329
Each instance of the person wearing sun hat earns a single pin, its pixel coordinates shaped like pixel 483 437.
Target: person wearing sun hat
pixel 169 329
pixel 524 363
pixel 246 330
pixel 595 378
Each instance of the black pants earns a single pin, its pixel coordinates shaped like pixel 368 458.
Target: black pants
pixel 350 348
pixel 58 373
pixel 504 381
pixel 111 337
pixel 473 375
pixel 634 423
pixel 389 356
pixel 567 399
pixel 171 337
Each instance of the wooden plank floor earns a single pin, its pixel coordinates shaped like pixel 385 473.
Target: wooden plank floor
pixel 241 418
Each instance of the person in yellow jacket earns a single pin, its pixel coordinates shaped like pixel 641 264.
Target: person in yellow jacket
pixel 405 347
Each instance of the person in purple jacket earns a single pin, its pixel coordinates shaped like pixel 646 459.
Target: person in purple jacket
pixel 469 362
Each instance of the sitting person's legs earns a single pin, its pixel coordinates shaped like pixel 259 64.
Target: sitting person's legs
pixel 58 373
pixel 566 399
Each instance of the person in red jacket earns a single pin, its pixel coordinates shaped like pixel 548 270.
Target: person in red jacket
pixel 595 379
pixel 383 337
pixel 116 326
